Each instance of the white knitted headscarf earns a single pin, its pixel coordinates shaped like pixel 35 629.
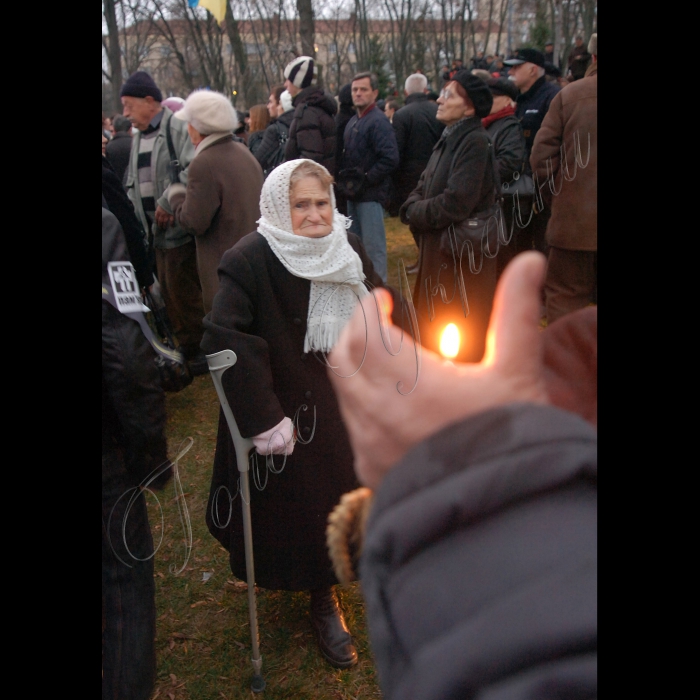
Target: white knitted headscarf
pixel 330 263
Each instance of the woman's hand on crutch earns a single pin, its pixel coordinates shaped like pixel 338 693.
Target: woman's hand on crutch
pixel 278 440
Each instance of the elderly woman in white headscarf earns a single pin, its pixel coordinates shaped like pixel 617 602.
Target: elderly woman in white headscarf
pixel 285 293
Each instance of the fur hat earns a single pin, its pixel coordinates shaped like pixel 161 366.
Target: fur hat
pixel 477 91
pixel 301 72
pixel 140 84
pixel 593 45
pixel 501 86
pixel 174 104
pixel 286 101
pixel 209 112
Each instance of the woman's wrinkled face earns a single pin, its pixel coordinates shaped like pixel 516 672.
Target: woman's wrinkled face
pixel 452 107
pixel 310 203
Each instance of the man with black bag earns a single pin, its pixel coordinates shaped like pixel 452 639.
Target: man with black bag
pixel 370 156
pixel 160 154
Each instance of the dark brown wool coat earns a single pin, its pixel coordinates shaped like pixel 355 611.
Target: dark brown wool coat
pixel 457 182
pixel 574 221
pixel 260 313
pixel 221 205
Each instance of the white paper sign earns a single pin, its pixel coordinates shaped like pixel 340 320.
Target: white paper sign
pixel 125 287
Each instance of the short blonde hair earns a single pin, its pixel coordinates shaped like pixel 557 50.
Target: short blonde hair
pixel 310 169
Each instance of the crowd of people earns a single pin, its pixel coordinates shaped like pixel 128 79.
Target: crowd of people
pixel 264 233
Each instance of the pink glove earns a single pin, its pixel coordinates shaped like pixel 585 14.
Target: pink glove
pixel 276 441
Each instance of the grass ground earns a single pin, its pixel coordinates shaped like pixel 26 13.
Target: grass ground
pixel 203 636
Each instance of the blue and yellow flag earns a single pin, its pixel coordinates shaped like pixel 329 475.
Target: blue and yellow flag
pixel 216 7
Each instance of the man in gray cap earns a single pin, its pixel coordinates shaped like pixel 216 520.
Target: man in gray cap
pixel 147 179
pixel 528 74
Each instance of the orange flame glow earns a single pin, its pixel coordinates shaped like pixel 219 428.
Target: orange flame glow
pixel 449 341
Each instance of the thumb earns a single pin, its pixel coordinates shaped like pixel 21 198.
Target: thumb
pixel 514 341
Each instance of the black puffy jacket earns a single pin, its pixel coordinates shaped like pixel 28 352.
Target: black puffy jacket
pixel 133 403
pixel 312 132
pixel 267 149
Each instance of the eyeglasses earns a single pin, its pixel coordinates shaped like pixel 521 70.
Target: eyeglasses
pixel 446 94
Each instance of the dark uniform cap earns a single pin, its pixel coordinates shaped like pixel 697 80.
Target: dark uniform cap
pixel 526 56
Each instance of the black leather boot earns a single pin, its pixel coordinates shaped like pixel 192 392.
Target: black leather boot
pixel 332 633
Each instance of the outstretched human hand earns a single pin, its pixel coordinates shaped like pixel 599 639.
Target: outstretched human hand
pixel 385 423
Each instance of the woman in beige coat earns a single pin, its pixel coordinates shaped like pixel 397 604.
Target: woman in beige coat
pixel 220 203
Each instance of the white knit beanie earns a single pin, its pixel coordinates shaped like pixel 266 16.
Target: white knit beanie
pixel 209 112
pixel 286 101
pixel 301 72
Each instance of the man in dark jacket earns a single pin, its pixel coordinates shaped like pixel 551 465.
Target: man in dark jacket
pixel 479 562
pixel 417 131
pixel 536 94
pixel 119 148
pixel 312 132
pixel 372 155
pixel 579 59
pixel 549 53
pixel 134 449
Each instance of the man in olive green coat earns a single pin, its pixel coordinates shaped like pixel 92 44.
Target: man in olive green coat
pixel 148 177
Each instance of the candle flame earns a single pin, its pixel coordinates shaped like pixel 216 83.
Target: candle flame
pixel 449 342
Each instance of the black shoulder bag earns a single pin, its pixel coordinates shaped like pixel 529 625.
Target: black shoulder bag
pixel 485 229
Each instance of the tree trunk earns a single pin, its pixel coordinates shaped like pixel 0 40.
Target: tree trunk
pixel 306 27
pixel 234 36
pixel 114 53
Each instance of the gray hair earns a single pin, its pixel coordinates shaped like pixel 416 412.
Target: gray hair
pixel 373 81
pixel 415 83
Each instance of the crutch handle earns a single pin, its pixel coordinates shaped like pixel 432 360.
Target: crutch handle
pixel 218 363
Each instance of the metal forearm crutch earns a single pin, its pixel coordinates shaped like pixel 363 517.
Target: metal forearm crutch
pixel 218 363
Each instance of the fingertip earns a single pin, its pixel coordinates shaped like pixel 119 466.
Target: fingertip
pixel 385 300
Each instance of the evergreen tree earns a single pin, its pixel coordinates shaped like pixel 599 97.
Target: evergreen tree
pixel 540 32
pixel 376 62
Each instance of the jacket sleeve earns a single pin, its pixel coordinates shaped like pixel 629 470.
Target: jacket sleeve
pixel 462 193
pixel 196 207
pixel 248 384
pixel 546 146
pixel 510 151
pixel 385 150
pixel 415 196
pixel 131 383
